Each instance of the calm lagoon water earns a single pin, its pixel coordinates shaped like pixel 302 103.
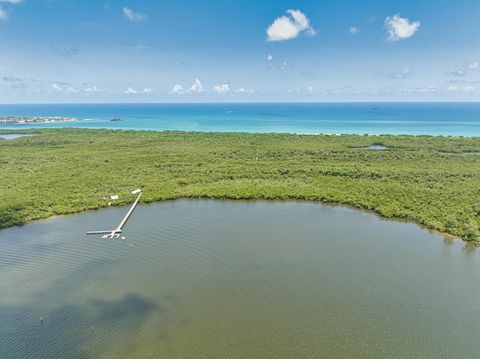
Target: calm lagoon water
pixel 373 118
pixel 220 279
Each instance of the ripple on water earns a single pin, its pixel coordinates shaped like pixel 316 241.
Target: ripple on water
pixel 235 279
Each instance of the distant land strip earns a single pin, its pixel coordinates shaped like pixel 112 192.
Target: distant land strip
pixel 13 119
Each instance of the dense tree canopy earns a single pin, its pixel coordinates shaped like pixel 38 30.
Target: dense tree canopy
pixel 434 181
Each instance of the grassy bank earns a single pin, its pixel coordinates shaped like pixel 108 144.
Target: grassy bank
pixel 434 181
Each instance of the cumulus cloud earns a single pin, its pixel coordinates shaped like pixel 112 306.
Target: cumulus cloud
pixel 92 89
pixel 3 15
pixel 133 91
pixel 133 15
pixel 400 28
pixel 65 87
pixel 354 30
pixel 130 91
pixel 401 74
pixel 289 26
pixel 466 88
pixel 56 88
pixel 197 87
pixel 474 65
pixel 71 90
pixel 177 90
pixel 242 91
pixel 222 88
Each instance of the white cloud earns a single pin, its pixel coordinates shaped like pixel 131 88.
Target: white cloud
pixel 14 2
pixel 401 74
pixel 309 89
pixel 197 87
pixel 474 65
pixel 177 90
pixel 269 57
pixel 345 90
pixel 56 88
pixel 3 15
pixel 242 91
pixel 71 89
pixel 354 30
pixel 92 89
pixel 466 88
pixel 429 88
pixel 289 26
pixel 132 91
pixel 222 89
pixel 133 15
pixel 400 28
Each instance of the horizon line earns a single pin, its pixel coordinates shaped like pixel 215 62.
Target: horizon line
pixel 235 103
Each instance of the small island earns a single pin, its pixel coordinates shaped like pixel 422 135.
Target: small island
pixel 47 119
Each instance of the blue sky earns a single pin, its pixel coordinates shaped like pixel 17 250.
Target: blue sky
pixel 228 51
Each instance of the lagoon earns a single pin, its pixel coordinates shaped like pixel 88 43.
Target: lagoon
pixel 207 279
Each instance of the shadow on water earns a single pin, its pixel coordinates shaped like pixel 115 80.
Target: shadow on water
pixel 81 330
pixel 130 307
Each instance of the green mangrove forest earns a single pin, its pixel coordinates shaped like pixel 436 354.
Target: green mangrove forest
pixel 434 181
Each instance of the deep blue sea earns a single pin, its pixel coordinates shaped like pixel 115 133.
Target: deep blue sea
pixel 372 118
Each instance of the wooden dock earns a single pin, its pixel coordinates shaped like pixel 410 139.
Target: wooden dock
pixel 115 233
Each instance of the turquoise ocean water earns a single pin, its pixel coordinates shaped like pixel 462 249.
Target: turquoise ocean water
pixel 373 118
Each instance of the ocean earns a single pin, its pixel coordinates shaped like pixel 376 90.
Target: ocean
pixel 455 119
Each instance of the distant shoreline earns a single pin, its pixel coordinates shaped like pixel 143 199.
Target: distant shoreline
pixel 27 119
